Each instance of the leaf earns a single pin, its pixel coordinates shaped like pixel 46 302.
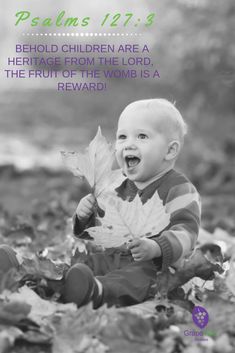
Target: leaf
pixel 9 280
pixel 82 257
pixel 27 330
pixel 230 278
pixel 8 337
pixel 27 312
pixel 219 237
pixel 165 312
pixel 95 164
pixel 77 331
pixel 212 252
pixel 43 268
pixel 102 330
pixel 125 220
pixel 196 265
pixel 221 313
pixel 14 311
pixel 223 344
pixel 129 333
pixel 40 308
pixel 42 334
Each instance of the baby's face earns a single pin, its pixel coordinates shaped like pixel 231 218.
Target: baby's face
pixel 141 144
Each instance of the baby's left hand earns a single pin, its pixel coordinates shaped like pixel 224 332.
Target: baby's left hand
pixel 144 249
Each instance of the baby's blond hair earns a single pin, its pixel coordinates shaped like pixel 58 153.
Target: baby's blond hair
pixel 172 121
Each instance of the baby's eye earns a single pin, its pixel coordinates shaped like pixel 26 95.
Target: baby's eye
pixel 142 136
pixel 121 137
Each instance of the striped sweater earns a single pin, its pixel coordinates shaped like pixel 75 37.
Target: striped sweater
pixel 181 200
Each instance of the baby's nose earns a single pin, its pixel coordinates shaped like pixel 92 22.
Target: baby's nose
pixel 130 143
pixel 130 147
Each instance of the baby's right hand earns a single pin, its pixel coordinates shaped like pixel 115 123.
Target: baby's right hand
pixel 86 207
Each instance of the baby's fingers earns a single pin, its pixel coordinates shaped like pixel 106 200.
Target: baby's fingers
pixel 83 214
pixel 134 243
pixel 136 255
pixel 91 199
pixel 135 252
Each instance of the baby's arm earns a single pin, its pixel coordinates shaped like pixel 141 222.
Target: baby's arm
pixel 179 239
pixel 143 249
pixel 84 214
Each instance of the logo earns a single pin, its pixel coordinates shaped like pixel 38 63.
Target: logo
pixel 200 316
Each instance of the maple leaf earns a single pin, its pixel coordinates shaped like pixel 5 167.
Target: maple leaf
pixel 125 220
pixel 95 165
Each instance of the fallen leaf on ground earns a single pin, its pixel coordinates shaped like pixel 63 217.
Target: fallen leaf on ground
pixel 9 280
pixel 230 278
pixel 219 237
pixel 43 267
pixel 11 312
pixel 129 333
pixel 78 331
pixel 222 289
pixel 221 315
pixel 165 312
pixel 8 337
pixel 222 344
pixel 40 308
pixel 196 266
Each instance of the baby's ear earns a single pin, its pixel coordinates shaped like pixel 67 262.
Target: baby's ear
pixel 173 150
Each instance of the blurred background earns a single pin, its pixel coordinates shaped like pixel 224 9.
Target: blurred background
pixel 192 44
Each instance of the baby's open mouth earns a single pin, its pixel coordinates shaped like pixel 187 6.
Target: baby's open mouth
pixel 132 161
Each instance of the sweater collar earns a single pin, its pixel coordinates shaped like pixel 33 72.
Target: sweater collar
pixel 156 177
pixel 148 190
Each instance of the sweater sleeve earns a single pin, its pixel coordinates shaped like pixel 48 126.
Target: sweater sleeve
pixel 179 238
pixel 79 227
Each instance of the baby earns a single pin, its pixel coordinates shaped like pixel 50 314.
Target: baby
pixel 149 138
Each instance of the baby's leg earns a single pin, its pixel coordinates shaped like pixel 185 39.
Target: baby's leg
pixel 81 283
pixel 129 285
pixel 8 258
pixel 81 286
pixel 109 260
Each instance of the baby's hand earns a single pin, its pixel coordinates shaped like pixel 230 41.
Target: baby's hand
pixel 86 207
pixel 144 249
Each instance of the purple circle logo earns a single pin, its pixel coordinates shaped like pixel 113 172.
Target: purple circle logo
pixel 200 316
